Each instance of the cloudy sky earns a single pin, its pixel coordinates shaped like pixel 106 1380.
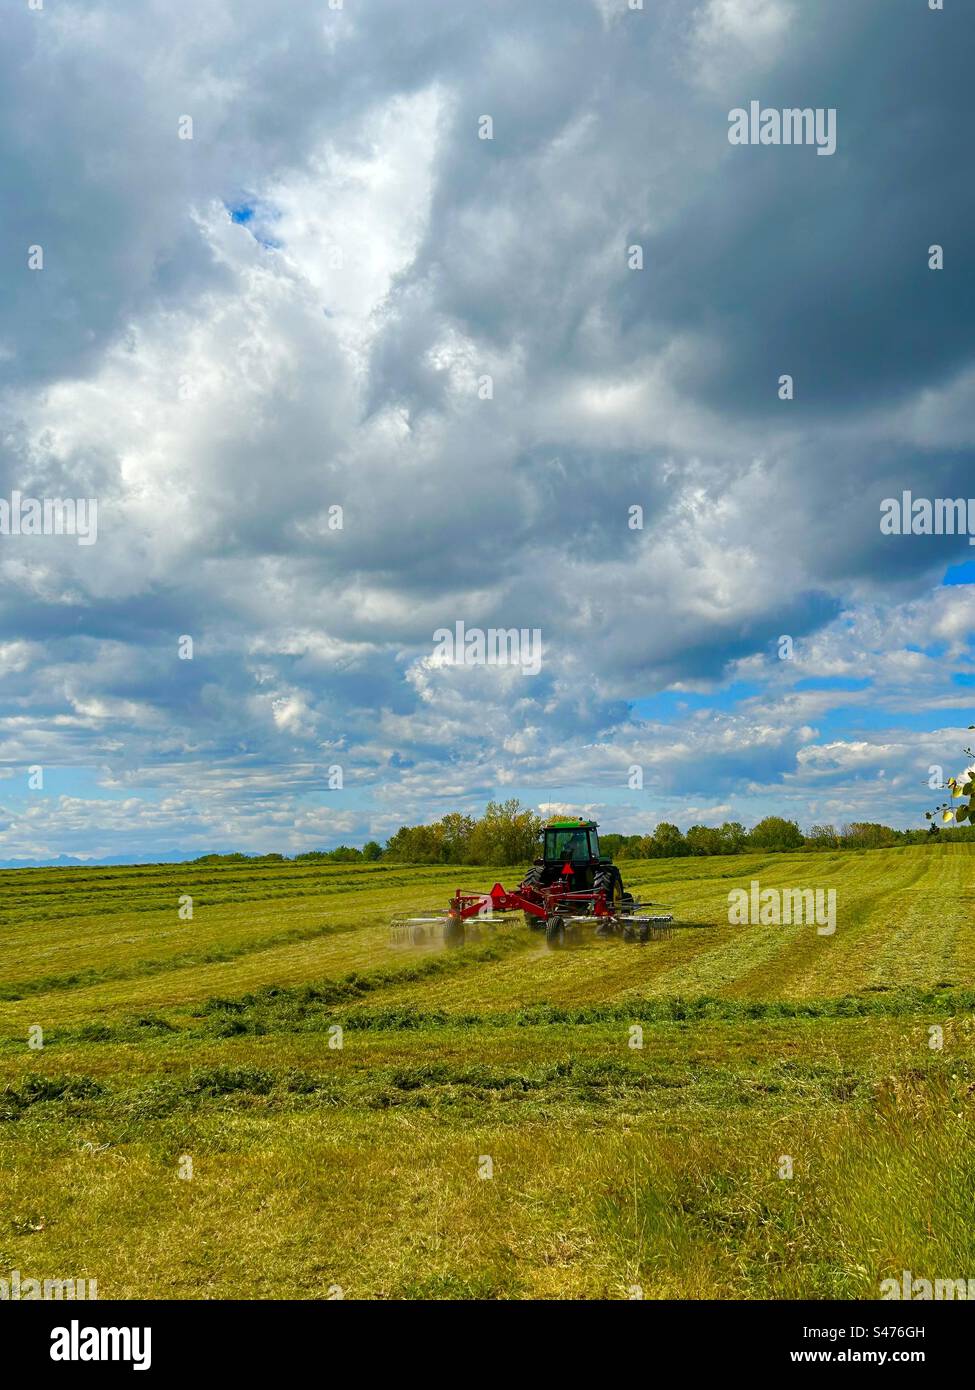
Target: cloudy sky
pixel 298 309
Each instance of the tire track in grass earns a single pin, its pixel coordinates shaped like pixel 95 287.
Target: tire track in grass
pixel 920 945
pixel 795 961
pixel 354 936
pixel 31 898
pixel 963 942
pixel 814 964
pixel 883 958
pixel 288 964
pixel 865 926
pixel 182 990
pixel 204 955
pixel 719 970
pixel 113 952
pixel 741 958
pixel 602 969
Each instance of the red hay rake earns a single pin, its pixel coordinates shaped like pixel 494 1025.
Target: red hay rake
pixel 560 911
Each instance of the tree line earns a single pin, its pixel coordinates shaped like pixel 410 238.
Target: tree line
pixel 774 834
pixel 507 834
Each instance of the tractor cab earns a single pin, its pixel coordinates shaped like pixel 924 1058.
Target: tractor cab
pixel 570 842
pixel 570 856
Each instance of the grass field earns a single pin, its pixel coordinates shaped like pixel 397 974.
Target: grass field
pixel 360 1167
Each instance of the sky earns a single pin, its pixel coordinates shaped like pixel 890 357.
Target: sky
pixel 341 372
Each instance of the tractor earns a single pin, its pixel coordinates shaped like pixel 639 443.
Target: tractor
pixel 570 884
pixel 571 859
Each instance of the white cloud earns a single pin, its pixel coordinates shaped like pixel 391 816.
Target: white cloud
pixel 735 39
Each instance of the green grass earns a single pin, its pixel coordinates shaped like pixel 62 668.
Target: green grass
pixel 613 1166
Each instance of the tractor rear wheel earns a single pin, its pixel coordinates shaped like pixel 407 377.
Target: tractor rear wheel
pixel 609 881
pixel 534 879
pixel 555 930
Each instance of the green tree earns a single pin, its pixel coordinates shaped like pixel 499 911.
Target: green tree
pixel 863 834
pixel 506 834
pixel 666 841
pixel 774 833
pixel 703 839
pixel 734 837
pixel 632 847
pixel 455 832
pixel 415 844
pixel 372 850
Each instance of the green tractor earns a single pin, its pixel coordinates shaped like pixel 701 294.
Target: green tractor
pixel 570 885
pixel 571 860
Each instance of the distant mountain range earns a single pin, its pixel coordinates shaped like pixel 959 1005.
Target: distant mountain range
pixel 63 861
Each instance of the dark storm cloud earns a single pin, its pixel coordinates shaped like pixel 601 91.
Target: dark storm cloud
pixel 819 266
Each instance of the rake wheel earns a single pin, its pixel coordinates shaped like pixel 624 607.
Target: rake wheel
pixel 555 930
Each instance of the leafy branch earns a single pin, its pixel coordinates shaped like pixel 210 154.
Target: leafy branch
pixel 962 791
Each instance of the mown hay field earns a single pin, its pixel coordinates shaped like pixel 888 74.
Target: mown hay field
pixel 491 1125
